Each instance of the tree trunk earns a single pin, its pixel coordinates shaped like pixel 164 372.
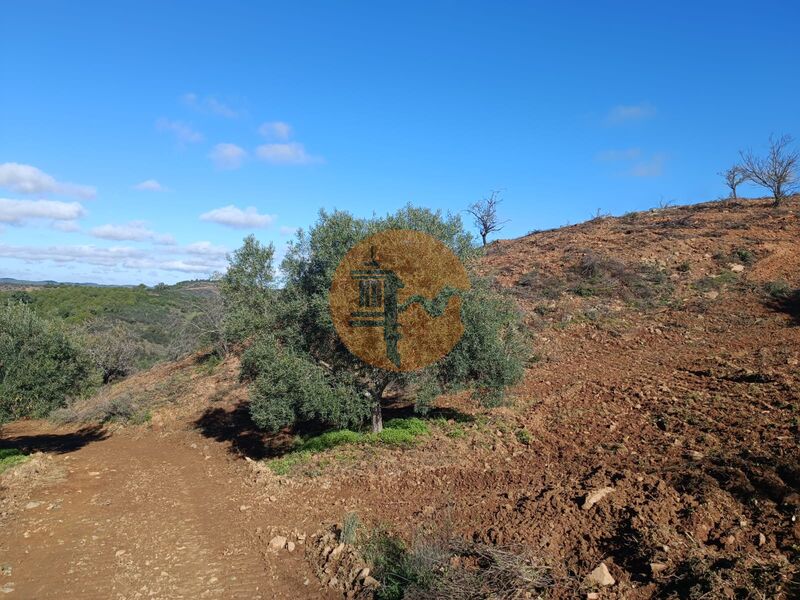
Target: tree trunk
pixel 483 237
pixel 377 417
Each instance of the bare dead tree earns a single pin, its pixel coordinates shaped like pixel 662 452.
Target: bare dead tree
pixel 484 213
pixel 733 177
pixel 777 171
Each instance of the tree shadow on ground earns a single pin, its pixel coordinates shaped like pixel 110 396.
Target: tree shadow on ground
pixel 788 304
pixel 59 443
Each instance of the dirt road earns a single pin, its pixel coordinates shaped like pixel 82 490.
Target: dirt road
pixel 140 515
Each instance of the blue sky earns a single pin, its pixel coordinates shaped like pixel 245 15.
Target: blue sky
pixel 141 140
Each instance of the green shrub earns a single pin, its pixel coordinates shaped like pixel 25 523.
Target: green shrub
pixel 291 387
pixel 41 368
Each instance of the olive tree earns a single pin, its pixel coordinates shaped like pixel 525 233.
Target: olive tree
pixel 301 369
pixel 247 291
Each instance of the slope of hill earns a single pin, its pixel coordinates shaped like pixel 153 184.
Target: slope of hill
pixel 656 433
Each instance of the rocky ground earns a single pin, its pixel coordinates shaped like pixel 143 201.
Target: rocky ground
pixel 651 452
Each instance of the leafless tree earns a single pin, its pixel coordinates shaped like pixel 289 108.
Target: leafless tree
pixel 112 348
pixel 733 178
pixel 777 171
pixel 484 213
pixel 208 325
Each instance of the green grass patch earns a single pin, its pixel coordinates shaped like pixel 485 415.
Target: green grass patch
pixel 396 432
pixel 10 457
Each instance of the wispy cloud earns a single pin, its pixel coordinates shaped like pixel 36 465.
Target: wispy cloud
pixel 227 156
pixel 135 231
pixel 27 179
pixel 628 113
pixel 150 185
pixel 183 132
pixel 276 130
pixel 210 104
pixel 284 230
pixel 652 167
pixel 16 212
pixel 232 216
pixel 635 162
pixel 291 153
pixel 618 155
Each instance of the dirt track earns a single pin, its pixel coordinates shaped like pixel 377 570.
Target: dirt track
pixel 142 516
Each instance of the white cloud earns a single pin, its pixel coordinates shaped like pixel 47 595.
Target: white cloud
pixel 150 185
pixel 183 132
pixel 277 130
pixel 66 226
pixel 619 155
pixel 210 104
pixel 227 156
pixel 132 259
pixel 232 216
pixel 134 231
pixel 27 179
pixel 653 167
pixel 291 153
pixel 19 211
pixel 628 113
pixel 63 254
pixel 206 249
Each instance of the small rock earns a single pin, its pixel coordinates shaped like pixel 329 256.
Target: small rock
pixel 737 268
pixel 7 588
pixel 595 497
pixel 592 596
pixel 6 570
pixel 32 504
pixel 277 542
pixel 657 567
pixel 600 576
pixel 336 551
pixel 290 546
pixel 119 553
pixel 711 294
pixel 694 455
pixel 363 574
pixel 762 539
pixel 244 507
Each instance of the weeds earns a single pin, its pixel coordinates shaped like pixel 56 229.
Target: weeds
pixel 10 457
pixel 439 566
pixel 396 432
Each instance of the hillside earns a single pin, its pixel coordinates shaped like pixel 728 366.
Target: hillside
pixel 656 432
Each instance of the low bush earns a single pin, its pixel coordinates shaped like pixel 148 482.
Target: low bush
pixel 41 367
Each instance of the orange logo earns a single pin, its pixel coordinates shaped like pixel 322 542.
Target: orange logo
pixel 395 299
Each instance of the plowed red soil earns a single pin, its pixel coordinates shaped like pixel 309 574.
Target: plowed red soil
pixel 686 402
